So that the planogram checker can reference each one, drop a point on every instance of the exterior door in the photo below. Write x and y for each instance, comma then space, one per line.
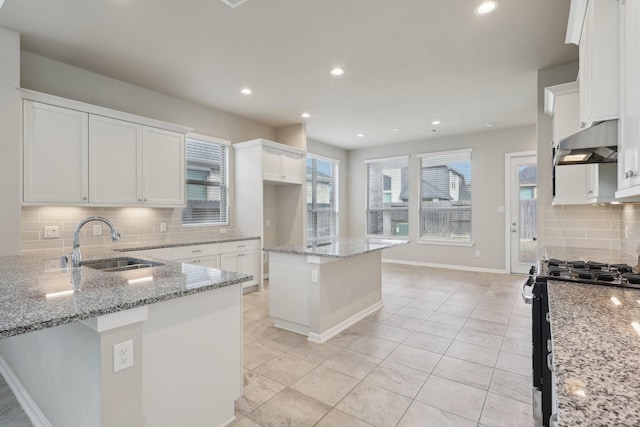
521, 217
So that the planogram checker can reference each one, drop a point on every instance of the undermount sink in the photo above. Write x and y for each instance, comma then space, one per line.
120, 264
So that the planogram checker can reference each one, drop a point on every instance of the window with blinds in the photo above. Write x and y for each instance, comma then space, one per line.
322, 196
388, 197
445, 196
207, 183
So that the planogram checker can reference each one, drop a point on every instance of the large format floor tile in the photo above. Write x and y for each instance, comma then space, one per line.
448, 349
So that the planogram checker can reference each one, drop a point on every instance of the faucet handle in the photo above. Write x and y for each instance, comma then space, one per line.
115, 235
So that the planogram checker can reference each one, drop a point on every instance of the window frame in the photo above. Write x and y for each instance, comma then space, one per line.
336, 198
210, 140
367, 162
444, 241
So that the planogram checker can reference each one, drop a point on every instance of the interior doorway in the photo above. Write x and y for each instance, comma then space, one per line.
521, 211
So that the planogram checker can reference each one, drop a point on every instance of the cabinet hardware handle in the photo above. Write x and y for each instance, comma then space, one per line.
145, 200
196, 251
84, 198
590, 192
140, 200
241, 246
550, 361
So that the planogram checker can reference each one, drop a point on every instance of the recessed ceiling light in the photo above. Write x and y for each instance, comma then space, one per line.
305, 115
435, 122
395, 130
490, 124
486, 7
337, 71
246, 91
360, 135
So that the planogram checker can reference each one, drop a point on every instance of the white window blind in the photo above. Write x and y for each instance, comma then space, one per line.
445, 196
388, 197
207, 183
322, 192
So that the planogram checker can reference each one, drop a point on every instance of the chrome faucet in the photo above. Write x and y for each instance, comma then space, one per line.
76, 256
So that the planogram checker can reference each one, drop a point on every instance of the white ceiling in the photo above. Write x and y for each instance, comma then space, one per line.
408, 62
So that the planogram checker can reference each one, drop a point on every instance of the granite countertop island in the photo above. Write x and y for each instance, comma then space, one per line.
339, 247
38, 293
595, 334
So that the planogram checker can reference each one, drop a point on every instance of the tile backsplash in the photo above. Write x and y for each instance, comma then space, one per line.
135, 225
584, 226
630, 228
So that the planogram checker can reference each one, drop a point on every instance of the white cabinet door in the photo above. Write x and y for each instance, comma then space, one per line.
271, 164
570, 185
163, 167
210, 261
242, 262
55, 154
629, 124
115, 147
291, 167
598, 57
250, 264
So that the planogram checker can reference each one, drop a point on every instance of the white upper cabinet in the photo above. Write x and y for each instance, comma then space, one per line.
115, 151
282, 165
629, 122
163, 167
598, 59
74, 156
55, 154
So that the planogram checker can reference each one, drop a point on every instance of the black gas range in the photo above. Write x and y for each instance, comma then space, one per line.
586, 272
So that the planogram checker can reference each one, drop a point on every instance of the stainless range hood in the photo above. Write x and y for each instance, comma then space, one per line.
596, 144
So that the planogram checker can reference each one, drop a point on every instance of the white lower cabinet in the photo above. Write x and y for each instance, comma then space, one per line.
243, 257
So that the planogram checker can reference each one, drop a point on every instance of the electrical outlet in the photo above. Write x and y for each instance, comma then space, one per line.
222, 231
122, 356
477, 254
268, 221
51, 232
97, 230
163, 227
314, 276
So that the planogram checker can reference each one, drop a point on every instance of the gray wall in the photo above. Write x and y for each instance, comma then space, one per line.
10, 142
56, 78
329, 151
488, 190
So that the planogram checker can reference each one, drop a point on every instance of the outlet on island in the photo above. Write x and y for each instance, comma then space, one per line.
122, 356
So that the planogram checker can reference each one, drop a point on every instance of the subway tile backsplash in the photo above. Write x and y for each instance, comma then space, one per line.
135, 225
630, 228
583, 226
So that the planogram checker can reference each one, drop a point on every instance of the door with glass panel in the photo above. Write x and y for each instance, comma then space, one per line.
522, 213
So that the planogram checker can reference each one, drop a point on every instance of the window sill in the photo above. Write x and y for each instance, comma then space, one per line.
444, 242
383, 237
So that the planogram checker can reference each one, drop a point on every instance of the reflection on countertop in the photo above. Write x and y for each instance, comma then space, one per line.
339, 247
38, 292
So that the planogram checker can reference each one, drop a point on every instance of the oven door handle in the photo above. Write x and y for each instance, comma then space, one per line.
526, 284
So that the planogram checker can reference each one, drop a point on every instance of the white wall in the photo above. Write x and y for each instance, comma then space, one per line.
331, 152
487, 182
10, 142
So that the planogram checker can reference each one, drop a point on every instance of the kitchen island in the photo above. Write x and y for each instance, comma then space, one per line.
595, 333
59, 326
321, 288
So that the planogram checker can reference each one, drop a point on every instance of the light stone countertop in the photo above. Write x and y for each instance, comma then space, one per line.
157, 244
596, 353
37, 293
339, 247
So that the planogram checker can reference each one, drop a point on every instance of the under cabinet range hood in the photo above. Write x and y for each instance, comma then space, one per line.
596, 144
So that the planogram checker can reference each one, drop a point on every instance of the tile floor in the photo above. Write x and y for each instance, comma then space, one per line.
448, 348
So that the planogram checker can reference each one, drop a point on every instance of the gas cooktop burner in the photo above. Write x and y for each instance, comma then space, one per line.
590, 272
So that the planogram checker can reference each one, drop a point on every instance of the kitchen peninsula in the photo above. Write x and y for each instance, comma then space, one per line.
59, 326
321, 288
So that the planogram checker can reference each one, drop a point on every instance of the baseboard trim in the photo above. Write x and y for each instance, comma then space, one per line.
335, 330
447, 266
24, 399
